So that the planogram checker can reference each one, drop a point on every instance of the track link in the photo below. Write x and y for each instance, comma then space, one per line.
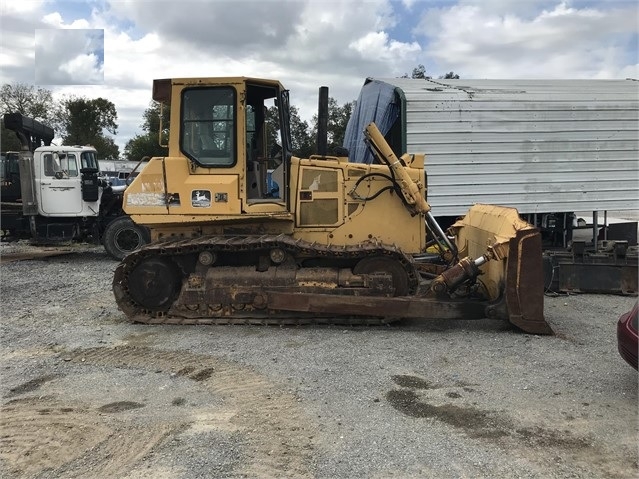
175, 250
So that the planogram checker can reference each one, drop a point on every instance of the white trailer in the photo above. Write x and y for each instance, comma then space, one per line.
545, 147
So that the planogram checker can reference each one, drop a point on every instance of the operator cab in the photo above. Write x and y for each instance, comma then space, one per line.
212, 137
231, 128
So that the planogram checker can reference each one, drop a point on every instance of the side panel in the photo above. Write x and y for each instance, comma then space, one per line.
538, 146
328, 211
211, 194
167, 192
147, 194
184, 193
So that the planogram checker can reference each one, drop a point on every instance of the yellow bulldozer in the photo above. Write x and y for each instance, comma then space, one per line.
244, 232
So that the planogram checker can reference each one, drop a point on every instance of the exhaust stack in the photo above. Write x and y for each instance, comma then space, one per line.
322, 121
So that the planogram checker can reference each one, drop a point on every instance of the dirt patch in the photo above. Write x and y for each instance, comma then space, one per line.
120, 406
49, 435
185, 371
31, 385
470, 419
413, 382
278, 435
203, 374
507, 433
69, 439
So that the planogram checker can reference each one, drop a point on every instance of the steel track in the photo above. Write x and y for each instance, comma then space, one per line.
298, 249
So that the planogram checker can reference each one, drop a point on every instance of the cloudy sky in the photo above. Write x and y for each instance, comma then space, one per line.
118, 47
65, 56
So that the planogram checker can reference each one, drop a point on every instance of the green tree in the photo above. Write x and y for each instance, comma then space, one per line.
304, 136
106, 147
36, 103
147, 144
418, 72
303, 143
33, 102
338, 117
85, 121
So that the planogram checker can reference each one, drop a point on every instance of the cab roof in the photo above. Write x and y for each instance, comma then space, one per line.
162, 87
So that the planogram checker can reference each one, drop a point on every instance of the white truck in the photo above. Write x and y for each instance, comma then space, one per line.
55, 194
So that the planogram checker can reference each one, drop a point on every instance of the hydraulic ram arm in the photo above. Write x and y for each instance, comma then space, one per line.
412, 191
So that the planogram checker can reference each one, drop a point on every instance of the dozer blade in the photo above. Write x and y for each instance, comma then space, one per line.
514, 277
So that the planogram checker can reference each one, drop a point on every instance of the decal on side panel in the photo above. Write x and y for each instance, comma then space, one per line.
201, 198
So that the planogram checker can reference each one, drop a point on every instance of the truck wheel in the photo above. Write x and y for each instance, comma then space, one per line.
122, 236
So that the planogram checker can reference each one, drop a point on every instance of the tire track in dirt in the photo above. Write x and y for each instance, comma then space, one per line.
50, 434
47, 434
278, 436
123, 450
44, 433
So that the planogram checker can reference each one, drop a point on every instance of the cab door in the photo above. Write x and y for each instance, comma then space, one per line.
60, 185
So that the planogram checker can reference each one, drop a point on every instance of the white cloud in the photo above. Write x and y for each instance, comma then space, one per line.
308, 43
378, 43
68, 56
558, 42
21, 8
82, 69
303, 44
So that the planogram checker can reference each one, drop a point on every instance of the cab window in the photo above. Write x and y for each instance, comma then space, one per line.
68, 165
208, 126
51, 164
89, 159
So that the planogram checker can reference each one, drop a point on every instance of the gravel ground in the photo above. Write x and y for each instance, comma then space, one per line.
87, 394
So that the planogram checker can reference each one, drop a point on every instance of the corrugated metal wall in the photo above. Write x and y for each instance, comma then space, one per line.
537, 145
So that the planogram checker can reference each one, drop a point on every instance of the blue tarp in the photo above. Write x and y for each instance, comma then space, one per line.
377, 103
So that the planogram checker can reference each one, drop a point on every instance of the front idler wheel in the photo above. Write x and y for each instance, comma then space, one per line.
383, 264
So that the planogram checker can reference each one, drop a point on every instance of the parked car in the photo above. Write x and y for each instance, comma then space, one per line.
627, 335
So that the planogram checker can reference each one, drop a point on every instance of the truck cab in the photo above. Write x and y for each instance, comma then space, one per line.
56, 194
66, 181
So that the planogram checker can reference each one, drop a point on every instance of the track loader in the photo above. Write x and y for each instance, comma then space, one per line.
245, 232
